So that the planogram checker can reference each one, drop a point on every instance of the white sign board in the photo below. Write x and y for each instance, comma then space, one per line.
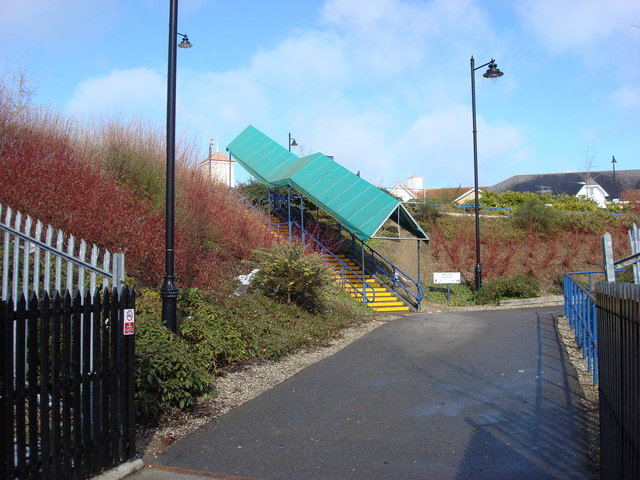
446, 277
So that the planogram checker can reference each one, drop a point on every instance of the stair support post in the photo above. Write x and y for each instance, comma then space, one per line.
364, 289
289, 210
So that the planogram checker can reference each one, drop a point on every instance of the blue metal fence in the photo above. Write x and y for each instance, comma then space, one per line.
444, 207
580, 310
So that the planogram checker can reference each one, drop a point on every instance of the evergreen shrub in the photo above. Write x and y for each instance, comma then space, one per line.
535, 216
520, 286
287, 273
169, 373
460, 294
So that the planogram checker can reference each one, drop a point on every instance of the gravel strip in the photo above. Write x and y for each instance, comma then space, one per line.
590, 399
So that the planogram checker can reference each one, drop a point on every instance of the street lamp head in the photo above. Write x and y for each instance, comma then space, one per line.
293, 142
613, 160
185, 43
492, 71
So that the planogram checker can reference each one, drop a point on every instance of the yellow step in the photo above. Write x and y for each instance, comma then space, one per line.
377, 303
391, 309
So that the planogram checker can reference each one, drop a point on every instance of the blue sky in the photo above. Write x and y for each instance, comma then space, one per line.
382, 85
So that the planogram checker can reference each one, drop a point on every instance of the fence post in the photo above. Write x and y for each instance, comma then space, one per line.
118, 272
634, 239
607, 251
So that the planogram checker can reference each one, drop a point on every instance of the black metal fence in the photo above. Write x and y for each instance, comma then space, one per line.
618, 309
67, 385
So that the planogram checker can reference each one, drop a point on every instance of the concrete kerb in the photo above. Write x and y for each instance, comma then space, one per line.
121, 471
553, 300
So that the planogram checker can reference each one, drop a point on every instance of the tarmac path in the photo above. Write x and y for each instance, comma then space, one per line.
464, 395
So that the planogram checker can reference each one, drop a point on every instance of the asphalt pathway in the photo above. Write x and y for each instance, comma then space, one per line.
473, 395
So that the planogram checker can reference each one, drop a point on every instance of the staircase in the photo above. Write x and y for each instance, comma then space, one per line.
384, 300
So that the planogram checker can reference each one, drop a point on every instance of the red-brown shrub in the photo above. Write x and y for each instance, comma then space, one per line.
43, 174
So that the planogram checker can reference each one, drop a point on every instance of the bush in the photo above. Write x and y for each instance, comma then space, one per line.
535, 216
461, 294
214, 337
425, 212
520, 286
510, 199
287, 273
169, 374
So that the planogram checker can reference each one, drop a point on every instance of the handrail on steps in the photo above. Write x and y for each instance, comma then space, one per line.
344, 268
387, 272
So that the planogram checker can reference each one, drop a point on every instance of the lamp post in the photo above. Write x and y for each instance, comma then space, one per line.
492, 72
169, 290
292, 142
613, 164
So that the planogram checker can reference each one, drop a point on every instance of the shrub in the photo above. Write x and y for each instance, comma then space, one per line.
106, 186
168, 372
510, 199
520, 286
535, 216
214, 337
425, 212
287, 273
460, 294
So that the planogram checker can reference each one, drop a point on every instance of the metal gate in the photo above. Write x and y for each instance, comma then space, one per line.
67, 384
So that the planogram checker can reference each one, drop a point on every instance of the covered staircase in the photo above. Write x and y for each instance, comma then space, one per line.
359, 208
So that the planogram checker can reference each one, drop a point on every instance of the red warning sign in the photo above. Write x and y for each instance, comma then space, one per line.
129, 321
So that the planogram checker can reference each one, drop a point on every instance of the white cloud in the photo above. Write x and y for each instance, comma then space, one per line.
134, 92
573, 25
54, 19
440, 145
627, 97
388, 37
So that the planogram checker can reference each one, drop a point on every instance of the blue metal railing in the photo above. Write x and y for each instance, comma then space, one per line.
313, 244
375, 264
465, 208
385, 271
580, 310
503, 210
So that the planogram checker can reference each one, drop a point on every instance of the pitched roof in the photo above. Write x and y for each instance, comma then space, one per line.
569, 183
358, 205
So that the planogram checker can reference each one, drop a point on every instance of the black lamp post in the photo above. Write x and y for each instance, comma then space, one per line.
492, 72
292, 142
615, 190
169, 290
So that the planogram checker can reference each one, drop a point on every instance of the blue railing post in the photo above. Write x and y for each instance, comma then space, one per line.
581, 311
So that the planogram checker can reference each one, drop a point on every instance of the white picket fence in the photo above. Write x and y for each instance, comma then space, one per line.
33, 260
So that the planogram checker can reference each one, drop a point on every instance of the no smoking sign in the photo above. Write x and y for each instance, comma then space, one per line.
129, 321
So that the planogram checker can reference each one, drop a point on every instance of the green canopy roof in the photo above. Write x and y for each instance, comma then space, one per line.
359, 206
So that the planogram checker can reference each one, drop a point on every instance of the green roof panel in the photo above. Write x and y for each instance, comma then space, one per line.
358, 205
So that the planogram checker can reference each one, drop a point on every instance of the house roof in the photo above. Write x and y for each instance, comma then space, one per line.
359, 206
402, 186
569, 183
217, 156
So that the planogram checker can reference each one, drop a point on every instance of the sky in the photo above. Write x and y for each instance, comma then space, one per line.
384, 86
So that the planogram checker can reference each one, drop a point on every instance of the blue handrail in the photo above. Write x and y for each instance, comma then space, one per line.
507, 210
386, 271
344, 268
580, 310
